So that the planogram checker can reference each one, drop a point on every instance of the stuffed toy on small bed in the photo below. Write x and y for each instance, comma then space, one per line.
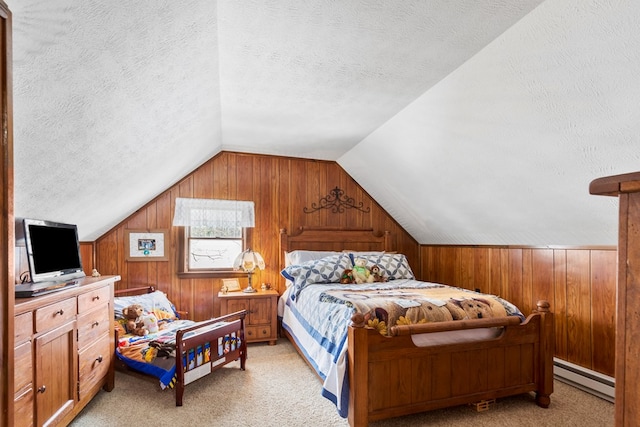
135, 322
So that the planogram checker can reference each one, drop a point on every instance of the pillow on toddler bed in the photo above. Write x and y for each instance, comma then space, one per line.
155, 303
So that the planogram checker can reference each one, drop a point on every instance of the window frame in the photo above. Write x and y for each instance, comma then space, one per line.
183, 262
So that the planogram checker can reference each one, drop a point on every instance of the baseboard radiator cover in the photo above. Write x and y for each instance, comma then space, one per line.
585, 379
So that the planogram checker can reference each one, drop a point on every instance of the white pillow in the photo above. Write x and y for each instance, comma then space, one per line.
298, 257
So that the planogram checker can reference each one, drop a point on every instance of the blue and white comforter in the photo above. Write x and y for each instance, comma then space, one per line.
320, 329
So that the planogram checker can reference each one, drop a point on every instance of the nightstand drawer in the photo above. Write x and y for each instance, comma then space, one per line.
257, 332
54, 315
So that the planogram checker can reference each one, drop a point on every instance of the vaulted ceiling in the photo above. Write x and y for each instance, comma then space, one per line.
469, 121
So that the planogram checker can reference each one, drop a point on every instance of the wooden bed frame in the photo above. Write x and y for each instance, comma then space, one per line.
391, 376
202, 334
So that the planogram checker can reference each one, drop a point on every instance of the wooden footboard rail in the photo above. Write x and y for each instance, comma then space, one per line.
207, 346
391, 376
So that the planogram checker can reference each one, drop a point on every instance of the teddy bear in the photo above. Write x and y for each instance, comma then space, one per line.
135, 322
361, 274
347, 277
377, 274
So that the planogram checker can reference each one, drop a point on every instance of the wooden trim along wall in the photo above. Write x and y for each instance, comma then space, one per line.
6, 226
580, 284
281, 188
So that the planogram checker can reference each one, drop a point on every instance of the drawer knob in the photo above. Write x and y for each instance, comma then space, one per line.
96, 297
99, 359
42, 389
60, 312
94, 324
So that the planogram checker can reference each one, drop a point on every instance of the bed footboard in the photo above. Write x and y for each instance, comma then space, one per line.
207, 346
392, 376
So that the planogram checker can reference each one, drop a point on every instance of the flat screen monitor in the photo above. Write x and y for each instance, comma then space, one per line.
53, 250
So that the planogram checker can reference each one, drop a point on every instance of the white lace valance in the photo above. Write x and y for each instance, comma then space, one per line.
214, 213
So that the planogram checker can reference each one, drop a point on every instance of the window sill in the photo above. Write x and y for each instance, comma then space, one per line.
221, 274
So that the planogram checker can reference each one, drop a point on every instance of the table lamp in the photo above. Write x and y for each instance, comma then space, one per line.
248, 261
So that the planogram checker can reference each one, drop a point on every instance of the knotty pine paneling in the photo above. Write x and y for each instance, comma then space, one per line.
281, 187
579, 283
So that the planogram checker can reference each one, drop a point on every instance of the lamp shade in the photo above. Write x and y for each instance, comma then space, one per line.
248, 261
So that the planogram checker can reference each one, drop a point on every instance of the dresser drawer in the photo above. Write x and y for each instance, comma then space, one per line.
23, 409
56, 314
92, 325
90, 300
23, 327
23, 368
93, 363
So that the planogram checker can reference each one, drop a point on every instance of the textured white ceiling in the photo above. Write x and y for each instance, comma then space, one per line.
469, 121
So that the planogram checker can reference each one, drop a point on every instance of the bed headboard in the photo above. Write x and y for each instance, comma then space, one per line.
333, 239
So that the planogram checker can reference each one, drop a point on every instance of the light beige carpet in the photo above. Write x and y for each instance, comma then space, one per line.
279, 389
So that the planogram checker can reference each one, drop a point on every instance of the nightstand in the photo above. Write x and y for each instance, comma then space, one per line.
261, 323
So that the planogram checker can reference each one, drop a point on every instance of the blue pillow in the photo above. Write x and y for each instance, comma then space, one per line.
325, 270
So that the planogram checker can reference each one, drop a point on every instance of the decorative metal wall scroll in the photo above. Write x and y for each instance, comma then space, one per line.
337, 202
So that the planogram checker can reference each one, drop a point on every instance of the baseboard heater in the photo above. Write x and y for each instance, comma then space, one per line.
585, 379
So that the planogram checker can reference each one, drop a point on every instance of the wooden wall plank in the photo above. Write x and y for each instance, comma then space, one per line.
603, 291
578, 308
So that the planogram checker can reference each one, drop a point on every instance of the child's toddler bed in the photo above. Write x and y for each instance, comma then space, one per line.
203, 346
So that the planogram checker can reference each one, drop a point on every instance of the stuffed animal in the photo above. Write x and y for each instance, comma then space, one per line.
361, 274
135, 323
377, 274
347, 277
150, 323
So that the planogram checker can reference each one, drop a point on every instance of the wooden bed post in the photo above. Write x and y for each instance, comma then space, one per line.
627, 188
547, 348
358, 354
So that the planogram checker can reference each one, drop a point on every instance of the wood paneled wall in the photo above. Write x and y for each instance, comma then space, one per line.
579, 283
281, 188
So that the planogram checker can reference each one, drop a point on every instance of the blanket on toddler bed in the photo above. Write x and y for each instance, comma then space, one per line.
155, 353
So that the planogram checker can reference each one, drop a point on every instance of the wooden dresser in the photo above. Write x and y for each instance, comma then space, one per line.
63, 350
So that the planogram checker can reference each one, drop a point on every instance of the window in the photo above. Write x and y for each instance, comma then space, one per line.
215, 232
213, 248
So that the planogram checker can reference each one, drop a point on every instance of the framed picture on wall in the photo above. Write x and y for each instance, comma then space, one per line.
146, 245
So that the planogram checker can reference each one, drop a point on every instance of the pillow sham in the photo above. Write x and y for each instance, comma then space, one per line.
325, 270
392, 265
155, 302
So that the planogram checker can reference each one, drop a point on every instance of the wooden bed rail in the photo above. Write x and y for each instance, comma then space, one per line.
454, 325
